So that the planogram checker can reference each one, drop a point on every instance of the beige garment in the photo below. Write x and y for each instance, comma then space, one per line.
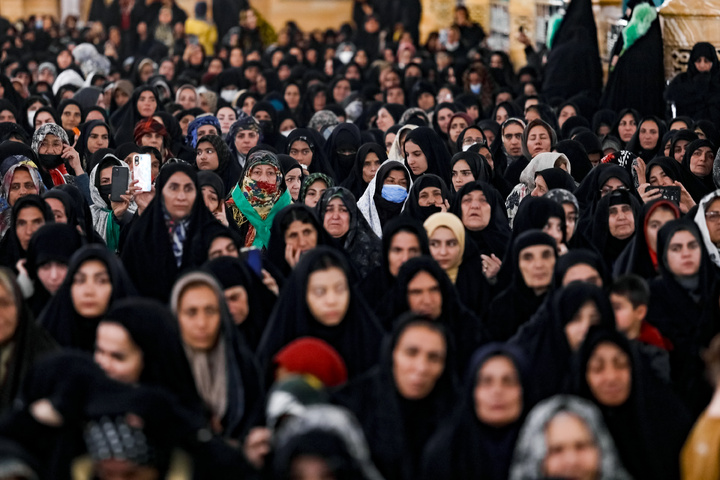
209, 372
700, 457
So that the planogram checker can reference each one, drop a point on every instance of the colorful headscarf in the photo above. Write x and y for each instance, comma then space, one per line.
150, 125
192, 136
309, 180
20, 162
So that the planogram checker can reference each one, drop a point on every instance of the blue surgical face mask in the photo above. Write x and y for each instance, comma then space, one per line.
475, 88
394, 193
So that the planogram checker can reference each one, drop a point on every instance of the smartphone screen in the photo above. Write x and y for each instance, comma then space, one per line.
142, 171
253, 259
119, 183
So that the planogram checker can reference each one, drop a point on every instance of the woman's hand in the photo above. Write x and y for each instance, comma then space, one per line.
648, 194
220, 215
257, 446
72, 157
640, 170
686, 201
292, 256
270, 282
491, 265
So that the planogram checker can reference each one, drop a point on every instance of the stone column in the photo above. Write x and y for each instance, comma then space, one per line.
685, 23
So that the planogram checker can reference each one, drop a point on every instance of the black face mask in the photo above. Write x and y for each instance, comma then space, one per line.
346, 158
50, 161
266, 127
105, 191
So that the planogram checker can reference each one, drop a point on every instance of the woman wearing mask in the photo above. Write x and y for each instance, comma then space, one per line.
385, 195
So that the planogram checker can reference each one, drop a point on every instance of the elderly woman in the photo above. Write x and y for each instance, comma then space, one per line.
55, 155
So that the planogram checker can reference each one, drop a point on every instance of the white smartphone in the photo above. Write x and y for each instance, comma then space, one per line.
142, 171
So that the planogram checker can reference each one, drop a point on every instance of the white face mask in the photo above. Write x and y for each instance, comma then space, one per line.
465, 148
287, 132
228, 95
346, 56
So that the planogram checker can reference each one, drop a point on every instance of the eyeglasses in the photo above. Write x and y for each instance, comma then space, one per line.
606, 190
712, 216
207, 151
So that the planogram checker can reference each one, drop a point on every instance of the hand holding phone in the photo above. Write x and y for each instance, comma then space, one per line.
119, 183
142, 171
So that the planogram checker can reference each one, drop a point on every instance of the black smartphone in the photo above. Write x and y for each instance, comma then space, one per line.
671, 193
119, 183
253, 259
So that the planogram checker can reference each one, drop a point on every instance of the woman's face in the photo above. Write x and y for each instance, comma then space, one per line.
292, 96
301, 236
473, 136
701, 161
146, 104
187, 98
457, 125
679, 150
418, 361
658, 177
553, 227
199, 317
337, 218
248, 105
476, 211
403, 247
117, 354
536, 264
659, 217
179, 195
501, 115
222, 247
461, 174
627, 127
8, 315
210, 198
207, 156
512, 139
443, 119
571, 449
70, 116
566, 112
264, 173
341, 91
121, 97
301, 152
91, 289
384, 120
371, 164
445, 248
319, 101
328, 296
98, 139
314, 192
621, 221
246, 140
236, 298
430, 196
42, 118
539, 140
226, 116
649, 134
683, 254
416, 159
578, 326
608, 375
498, 392
541, 187
52, 274
293, 181
570, 219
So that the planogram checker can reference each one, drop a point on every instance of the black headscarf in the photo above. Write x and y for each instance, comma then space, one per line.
355, 182
588, 193
494, 238
437, 156
578, 157
650, 427
377, 286
228, 169
412, 208
397, 429
233, 272
694, 93
125, 119
707, 180
687, 314
151, 327
360, 242
61, 319
677, 172
579, 256
556, 178
345, 135
10, 249
478, 166
609, 246
517, 303
81, 211
148, 251
636, 257
318, 164
357, 336
54, 242
634, 144
545, 341
466, 447
85, 131
277, 245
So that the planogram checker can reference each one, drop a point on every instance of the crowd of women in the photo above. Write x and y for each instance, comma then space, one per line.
360, 258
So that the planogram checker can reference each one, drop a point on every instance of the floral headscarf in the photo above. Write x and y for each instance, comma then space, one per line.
192, 136
44, 131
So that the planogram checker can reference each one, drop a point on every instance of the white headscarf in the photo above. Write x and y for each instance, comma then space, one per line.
366, 204
712, 249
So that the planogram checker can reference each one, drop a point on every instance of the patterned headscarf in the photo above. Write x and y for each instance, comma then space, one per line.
192, 136
5, 209
244, 122
262, 195
309, 180
150, 125
44, 131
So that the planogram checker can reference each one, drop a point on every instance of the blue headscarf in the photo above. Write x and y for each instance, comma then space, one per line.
192, 136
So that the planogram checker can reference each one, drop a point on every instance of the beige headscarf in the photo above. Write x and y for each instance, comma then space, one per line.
454, 224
